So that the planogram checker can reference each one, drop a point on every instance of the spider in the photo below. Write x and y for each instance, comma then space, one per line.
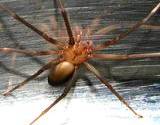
72, 54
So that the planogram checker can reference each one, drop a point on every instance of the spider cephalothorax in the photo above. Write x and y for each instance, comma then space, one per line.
72, 57
78, 53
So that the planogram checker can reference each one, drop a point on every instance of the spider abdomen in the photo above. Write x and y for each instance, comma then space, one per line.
61, 73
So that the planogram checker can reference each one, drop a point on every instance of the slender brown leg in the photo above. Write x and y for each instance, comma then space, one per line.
27, 52
67, 23
113, 27
104, 81
126, 57
65, 91
20, 19
103, 31
123, 35
107, 29
45, 67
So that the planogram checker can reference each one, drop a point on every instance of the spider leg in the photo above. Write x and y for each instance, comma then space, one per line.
113, 27
41, 70
104, 81
107, 29
65, 91
103, 31
125, 57
125, 34
67, 23
22, 20
27, 52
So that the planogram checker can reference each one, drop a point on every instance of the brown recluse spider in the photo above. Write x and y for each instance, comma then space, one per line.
72, 55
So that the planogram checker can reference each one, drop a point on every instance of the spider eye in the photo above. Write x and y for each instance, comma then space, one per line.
60, 73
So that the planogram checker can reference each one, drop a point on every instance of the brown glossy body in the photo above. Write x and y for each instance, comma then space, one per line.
60, 73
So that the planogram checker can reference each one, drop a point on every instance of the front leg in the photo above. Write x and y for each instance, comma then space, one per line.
67, 22
39, 32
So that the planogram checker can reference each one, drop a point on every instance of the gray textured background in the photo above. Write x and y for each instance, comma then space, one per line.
136, 80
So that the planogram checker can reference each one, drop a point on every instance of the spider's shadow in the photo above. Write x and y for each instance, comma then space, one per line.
15, 44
